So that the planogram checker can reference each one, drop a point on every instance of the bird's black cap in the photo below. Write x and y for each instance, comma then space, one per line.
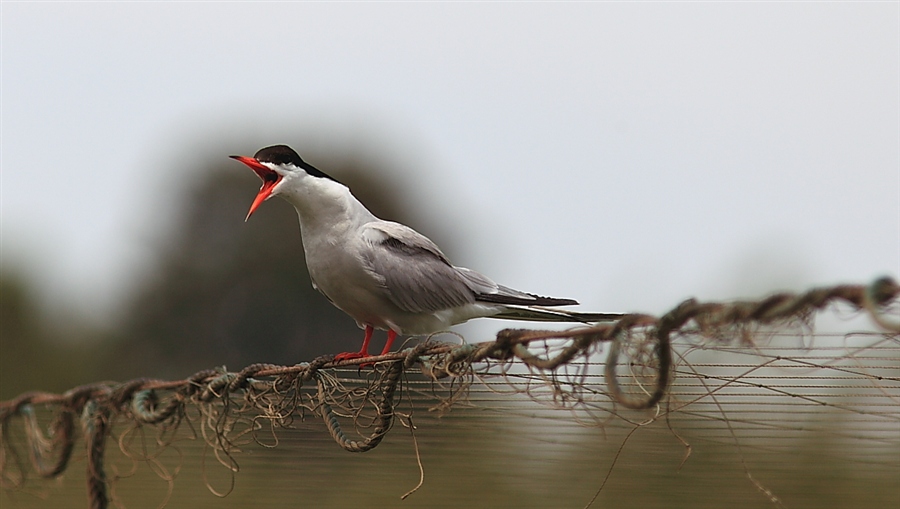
283, 154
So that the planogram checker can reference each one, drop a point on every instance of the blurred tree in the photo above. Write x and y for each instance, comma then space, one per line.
231, 293
30, 359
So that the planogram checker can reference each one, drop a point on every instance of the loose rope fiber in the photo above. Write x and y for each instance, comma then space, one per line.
645, 368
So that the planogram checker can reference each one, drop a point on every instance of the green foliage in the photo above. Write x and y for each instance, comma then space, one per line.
30, 359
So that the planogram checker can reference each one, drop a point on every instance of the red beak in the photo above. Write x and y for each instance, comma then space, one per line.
267, 175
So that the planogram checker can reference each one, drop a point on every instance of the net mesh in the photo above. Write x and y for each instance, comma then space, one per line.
757, 378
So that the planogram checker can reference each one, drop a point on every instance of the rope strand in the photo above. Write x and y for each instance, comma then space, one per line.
639, 344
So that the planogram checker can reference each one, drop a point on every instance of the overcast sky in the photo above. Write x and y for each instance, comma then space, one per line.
627, 155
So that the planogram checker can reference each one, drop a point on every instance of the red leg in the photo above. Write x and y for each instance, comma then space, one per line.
363, 352
390, 340
365, 348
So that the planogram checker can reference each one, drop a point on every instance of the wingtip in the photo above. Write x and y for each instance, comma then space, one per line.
553, 301
531, 300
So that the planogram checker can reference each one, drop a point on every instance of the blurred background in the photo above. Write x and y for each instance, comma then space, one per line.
626, 155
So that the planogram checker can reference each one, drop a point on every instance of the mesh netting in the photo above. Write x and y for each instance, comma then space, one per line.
781, 376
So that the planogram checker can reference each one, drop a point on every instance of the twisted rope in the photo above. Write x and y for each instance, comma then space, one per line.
95, 422
387, 387
142, 401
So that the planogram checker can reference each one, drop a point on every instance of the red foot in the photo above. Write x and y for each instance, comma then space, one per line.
346, 356
364, 351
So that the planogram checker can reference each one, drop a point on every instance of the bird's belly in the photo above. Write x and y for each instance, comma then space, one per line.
351, 288
416, 324
420, 324
360, 304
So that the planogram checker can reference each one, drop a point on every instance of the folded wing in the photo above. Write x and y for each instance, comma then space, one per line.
419, 278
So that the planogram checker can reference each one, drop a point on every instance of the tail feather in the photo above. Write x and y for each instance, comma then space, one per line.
527, 299
536, 314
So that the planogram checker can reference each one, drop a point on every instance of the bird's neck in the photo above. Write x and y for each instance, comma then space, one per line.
326, 206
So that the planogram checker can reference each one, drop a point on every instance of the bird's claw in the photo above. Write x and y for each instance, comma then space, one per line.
346, 356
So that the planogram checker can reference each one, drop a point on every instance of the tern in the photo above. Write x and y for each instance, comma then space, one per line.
383, 274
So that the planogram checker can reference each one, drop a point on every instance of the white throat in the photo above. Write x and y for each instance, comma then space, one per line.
325, 207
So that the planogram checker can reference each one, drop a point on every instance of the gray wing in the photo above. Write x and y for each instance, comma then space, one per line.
419, 278
489, 291
412, 269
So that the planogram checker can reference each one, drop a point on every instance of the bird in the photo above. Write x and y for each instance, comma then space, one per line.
384, 274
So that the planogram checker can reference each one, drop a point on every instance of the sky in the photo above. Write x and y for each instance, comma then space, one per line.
628, 155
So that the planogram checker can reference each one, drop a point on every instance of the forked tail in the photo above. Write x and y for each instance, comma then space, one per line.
539, 314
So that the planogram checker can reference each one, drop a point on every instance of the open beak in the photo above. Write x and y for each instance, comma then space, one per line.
267, 175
